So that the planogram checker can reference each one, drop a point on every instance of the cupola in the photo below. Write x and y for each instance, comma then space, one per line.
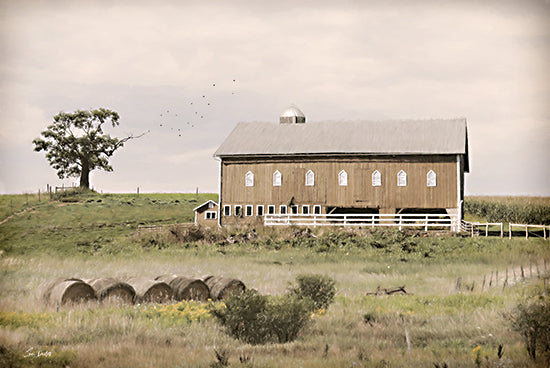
292, 115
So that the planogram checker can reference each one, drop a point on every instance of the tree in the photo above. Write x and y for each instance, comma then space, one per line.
75, 143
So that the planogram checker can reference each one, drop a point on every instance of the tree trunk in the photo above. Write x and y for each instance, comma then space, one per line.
85, 175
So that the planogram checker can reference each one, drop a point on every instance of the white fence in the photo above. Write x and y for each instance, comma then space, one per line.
474, 228
527, 227
418, 221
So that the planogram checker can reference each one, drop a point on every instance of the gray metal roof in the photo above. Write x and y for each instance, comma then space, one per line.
436, 136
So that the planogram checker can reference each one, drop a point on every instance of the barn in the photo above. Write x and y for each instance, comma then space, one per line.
370, 169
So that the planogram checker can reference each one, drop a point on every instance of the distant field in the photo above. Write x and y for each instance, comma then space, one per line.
523, 210
457, 304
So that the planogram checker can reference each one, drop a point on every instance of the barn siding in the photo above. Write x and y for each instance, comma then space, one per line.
326, 192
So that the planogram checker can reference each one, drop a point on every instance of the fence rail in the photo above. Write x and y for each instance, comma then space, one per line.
527, 227
419, 221
474, 228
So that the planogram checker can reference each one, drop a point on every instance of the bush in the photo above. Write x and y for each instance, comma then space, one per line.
244, 317
532, 321
319, 289
287, 316
259, 319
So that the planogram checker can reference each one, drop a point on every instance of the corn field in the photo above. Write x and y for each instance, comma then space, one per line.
521, 210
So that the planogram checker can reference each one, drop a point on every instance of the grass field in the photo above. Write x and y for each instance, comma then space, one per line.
438, 322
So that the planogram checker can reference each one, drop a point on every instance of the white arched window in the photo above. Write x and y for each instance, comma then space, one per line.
401, 179
310, 178
277, 178
431, 179
343, 178
376, 178
249, 179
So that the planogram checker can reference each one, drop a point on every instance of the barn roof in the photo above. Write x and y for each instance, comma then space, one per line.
396, 137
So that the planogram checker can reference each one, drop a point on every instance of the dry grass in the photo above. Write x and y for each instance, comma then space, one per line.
443, 324
435, 324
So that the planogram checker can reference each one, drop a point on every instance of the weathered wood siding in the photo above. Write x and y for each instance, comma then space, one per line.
201, 219
359, 193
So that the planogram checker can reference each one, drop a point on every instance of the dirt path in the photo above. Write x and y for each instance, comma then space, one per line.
17, 214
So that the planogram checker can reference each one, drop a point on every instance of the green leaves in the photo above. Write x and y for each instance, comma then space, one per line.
75, 143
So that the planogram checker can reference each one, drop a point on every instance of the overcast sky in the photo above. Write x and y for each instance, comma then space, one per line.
487, 61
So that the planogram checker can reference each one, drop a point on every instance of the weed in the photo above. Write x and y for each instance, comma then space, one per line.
222, 359
532, 320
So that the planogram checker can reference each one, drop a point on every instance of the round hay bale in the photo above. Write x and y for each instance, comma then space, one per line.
186, 288
111, 290
61, 291
150, 291
223, 287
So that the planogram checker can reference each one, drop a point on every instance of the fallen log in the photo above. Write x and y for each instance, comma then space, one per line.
392, 291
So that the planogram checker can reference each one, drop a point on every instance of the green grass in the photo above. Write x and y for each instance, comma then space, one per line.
92, 221
96, 236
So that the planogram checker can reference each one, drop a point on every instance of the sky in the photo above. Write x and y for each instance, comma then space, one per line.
487, 61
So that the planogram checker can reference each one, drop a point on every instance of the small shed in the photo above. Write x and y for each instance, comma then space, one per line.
207, 214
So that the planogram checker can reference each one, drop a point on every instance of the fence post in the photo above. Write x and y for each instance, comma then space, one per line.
509, 230
486, 230
526, 232
400, 220
426, 224
501, 230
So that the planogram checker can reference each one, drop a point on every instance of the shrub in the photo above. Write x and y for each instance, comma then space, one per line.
319, 289
532, 320
244, 317
287, 316
259, 319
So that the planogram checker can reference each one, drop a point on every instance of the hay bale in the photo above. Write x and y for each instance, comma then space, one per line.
62, 291
111, 290
223, 287
186, 288
150, 291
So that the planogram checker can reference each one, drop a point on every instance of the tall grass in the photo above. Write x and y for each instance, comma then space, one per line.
435, 323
